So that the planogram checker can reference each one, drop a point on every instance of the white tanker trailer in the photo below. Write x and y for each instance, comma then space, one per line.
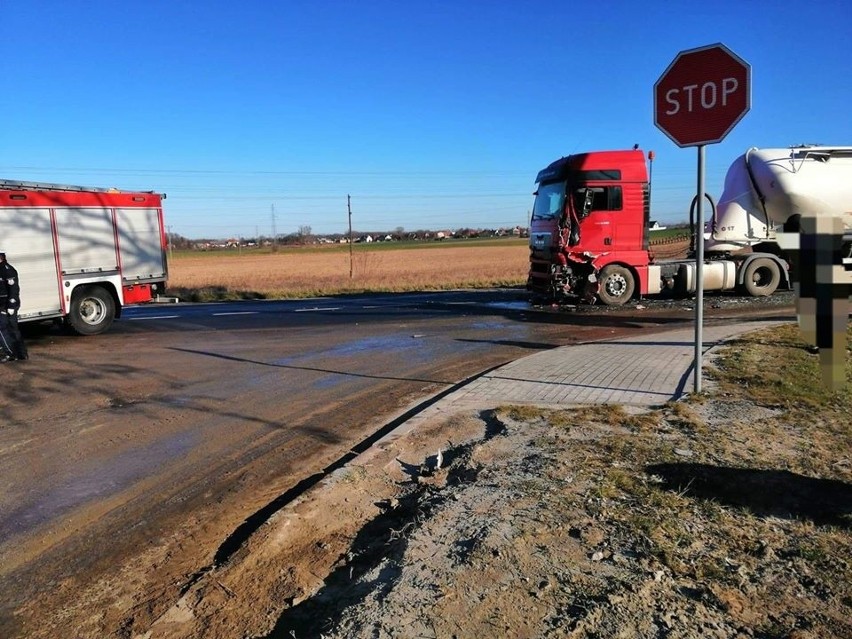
769, 190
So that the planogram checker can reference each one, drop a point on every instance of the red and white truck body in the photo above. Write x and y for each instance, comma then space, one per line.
82, 253
589, 232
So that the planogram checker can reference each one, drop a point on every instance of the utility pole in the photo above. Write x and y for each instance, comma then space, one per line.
274, 233
349, 208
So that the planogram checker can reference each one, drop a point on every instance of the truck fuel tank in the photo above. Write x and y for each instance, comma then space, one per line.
718, 275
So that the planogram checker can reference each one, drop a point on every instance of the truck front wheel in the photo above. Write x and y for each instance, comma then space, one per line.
92, 311
761, 277
616, 285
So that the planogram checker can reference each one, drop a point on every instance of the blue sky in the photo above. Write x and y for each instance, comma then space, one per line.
431, 115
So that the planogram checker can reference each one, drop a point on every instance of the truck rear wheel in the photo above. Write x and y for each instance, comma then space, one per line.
92, 310
761, 277
616, 285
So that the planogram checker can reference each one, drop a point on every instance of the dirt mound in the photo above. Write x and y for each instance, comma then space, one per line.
551, 527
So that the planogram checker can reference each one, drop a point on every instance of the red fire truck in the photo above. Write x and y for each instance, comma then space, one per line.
589, 238
82, 253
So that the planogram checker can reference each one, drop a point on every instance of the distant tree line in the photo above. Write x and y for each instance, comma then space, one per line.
304, 236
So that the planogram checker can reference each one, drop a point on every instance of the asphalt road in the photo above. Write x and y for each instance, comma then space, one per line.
133, 461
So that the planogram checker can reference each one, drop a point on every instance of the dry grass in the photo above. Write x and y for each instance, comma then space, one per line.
309, 272
735, 509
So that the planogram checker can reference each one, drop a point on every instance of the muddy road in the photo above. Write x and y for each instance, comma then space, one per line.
132, 462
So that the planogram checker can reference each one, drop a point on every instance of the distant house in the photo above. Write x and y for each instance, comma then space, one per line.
655, 226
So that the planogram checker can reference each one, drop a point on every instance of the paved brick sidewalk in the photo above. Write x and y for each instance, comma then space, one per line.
640, 371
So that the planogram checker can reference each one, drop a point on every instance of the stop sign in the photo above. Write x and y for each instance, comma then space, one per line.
702, 95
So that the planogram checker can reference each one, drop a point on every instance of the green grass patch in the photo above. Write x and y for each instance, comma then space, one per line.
668, 234
776, 368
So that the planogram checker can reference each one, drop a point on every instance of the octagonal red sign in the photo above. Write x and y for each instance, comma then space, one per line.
702, 95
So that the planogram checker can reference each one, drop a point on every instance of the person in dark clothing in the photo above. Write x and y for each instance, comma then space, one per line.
11, 342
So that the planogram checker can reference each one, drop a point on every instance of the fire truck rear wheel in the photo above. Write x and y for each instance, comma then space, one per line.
761, 277
616, 285
92, 310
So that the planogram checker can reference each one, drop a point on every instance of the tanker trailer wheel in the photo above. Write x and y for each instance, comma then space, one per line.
616, 285
761, 277
92, 310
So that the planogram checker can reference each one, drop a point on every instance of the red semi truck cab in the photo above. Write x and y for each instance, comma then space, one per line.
589, 238
589, 227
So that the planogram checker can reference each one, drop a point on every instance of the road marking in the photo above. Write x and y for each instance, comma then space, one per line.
312, 310
152, 317
237, 313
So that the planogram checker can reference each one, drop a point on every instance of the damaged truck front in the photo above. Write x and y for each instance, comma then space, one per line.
589, 229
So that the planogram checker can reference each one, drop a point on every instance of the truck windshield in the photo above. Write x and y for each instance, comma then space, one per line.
549, 201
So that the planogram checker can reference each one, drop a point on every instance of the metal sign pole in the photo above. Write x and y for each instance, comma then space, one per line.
696, 122
699, 273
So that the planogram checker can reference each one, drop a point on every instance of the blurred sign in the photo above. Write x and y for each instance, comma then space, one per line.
823, 285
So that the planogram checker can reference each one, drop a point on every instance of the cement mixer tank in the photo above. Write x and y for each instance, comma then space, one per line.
767, 190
